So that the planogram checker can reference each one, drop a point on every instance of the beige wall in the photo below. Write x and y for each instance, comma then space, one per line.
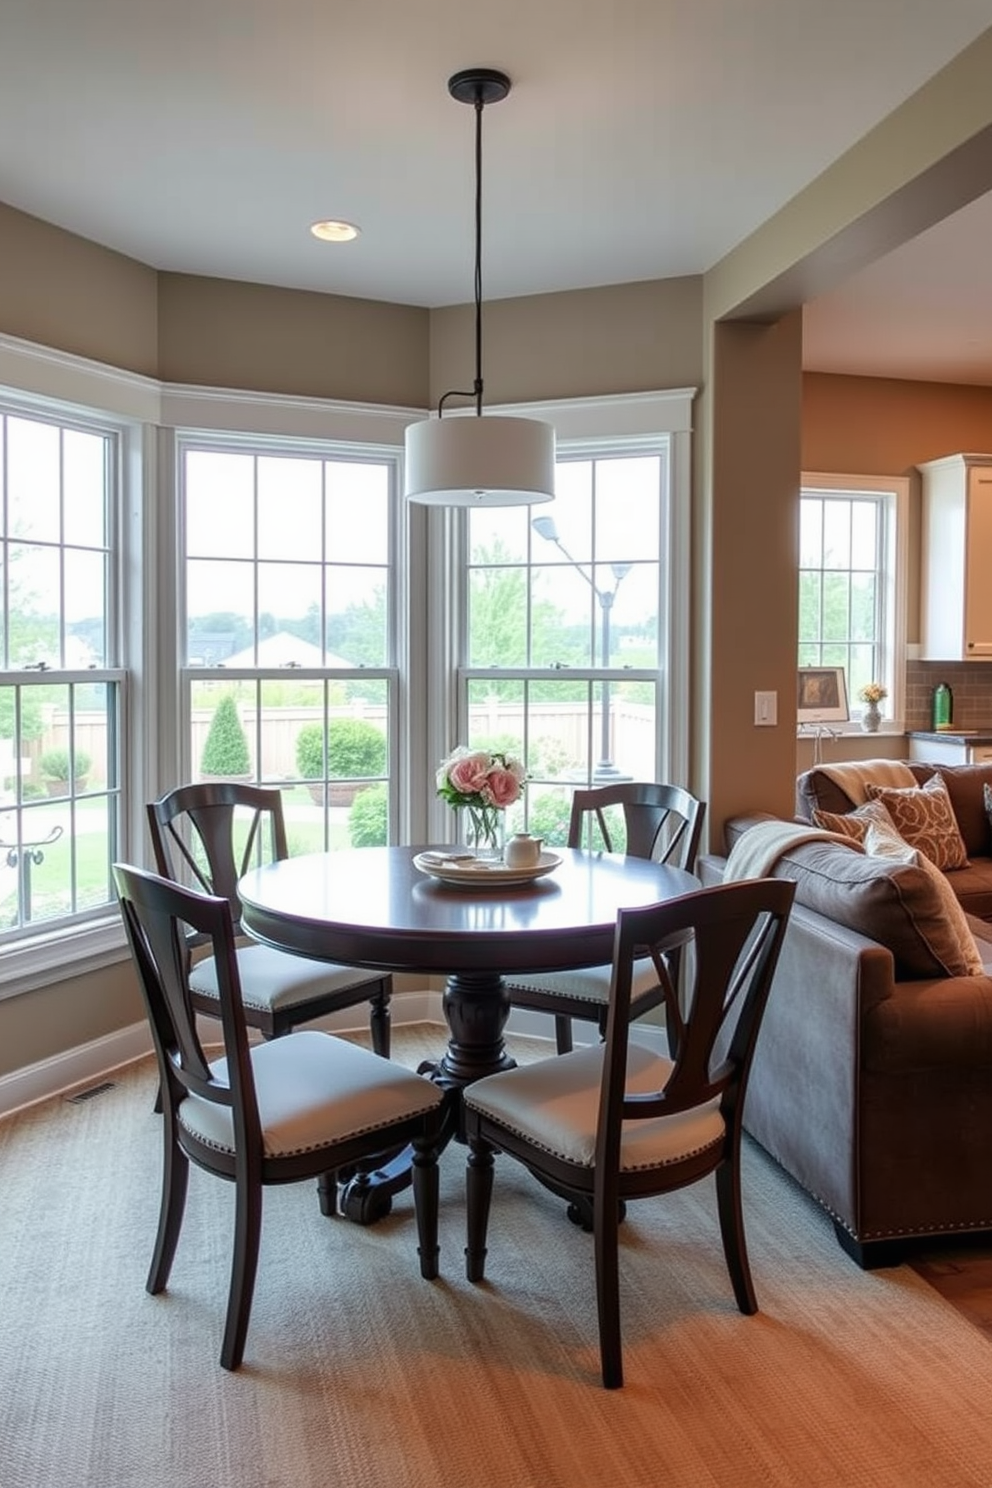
624, 338
217, 333
59, 290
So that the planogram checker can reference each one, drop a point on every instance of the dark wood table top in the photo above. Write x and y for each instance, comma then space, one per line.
371, 907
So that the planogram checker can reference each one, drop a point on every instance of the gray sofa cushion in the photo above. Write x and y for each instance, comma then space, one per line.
892, 903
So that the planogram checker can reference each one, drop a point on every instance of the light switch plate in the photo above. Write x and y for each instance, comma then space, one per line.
765, 709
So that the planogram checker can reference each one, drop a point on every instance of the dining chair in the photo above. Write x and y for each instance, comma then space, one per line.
656, 820
620, 1120
273, 1112
211, 833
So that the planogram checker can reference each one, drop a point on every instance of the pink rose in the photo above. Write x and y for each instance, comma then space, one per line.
502, 787
468, 774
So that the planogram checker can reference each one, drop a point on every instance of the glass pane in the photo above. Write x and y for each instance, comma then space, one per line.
33, 597
810, 533
85, 609
220, 504
225, 728
810, 596
863, 608
33, 469
357, 616
94, 826
94, 734
562, 618
498, 617
361, 489
84, 479
220, 607
289, 508
837, 534
836, 606
634, 622
572, 519
289, 615
864, 534
498, 530
628, 509
44, 862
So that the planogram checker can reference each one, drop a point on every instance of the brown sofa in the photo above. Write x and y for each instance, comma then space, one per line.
815, 790
872, 1077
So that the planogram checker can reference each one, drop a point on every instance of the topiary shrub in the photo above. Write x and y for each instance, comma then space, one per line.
356, 750
225, 751
368, 819
55, 766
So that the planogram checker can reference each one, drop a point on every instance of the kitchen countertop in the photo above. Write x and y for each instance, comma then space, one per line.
954, 735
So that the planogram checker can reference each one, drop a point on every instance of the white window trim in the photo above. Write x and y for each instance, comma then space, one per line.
625, 422
896, 575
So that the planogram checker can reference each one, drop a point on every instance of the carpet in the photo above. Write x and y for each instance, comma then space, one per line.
358, 1372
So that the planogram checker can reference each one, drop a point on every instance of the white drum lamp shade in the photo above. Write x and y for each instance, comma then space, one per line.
480, 461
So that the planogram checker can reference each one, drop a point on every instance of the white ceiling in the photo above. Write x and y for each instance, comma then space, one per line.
642, 139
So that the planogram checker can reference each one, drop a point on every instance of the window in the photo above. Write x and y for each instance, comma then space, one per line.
60, 696
562, 638
290, 676
851, 577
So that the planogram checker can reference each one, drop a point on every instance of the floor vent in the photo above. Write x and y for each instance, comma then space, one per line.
91, 1093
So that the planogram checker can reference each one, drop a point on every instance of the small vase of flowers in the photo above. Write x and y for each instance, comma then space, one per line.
871, 695
484, 782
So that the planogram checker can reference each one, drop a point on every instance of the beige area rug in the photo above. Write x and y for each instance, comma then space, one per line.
359, 1373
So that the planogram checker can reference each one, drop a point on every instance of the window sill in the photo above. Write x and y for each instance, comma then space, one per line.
56, 955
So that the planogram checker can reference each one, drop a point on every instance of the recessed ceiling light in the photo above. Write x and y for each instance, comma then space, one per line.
334, 232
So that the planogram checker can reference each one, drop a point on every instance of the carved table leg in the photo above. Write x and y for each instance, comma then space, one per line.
476, 1007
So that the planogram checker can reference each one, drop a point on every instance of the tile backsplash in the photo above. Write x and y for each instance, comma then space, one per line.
970, 682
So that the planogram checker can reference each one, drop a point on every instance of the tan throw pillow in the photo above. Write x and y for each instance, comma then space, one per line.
884, 842
853, 823
924, 816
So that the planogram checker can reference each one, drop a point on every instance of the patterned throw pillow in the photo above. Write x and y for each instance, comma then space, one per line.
885, 842
854, 823
924, 816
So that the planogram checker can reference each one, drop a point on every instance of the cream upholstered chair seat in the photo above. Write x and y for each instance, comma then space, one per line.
311, 1090
275, 982
554, 1103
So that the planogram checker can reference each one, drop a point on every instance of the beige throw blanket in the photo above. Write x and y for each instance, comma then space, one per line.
758, 849
853, 777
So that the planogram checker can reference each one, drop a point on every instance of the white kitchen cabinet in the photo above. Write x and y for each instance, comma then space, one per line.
956, 579
949, 752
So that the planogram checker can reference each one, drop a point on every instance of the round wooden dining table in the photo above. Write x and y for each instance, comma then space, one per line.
372, 907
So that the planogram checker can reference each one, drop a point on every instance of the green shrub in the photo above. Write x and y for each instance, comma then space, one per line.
356, 750
368, 819
225, 751
56, 765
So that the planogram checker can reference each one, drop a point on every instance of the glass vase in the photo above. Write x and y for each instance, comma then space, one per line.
486, 832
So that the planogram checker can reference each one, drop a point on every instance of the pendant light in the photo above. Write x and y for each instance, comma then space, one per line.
480, 461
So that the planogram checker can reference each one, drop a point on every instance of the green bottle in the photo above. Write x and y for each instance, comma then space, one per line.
943, 707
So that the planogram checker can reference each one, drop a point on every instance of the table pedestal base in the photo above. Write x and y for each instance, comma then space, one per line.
476, 1007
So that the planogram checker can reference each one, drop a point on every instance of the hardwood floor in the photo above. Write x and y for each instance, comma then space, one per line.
961, 1271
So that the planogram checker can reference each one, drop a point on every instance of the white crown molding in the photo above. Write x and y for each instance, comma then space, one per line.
46, 372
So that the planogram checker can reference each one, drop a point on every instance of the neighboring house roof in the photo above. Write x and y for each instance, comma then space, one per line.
285, 650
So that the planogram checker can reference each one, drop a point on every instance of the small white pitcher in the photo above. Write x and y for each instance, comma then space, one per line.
522, 851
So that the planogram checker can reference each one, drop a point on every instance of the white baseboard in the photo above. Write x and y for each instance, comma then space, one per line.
85, 1065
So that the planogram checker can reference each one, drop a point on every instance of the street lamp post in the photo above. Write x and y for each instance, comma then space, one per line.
545, 527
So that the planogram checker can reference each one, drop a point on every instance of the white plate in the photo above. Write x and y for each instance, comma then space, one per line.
475, 873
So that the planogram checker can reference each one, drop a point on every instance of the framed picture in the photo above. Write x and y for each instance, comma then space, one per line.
822, 695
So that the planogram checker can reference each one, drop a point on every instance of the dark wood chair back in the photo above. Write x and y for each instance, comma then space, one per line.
661, 821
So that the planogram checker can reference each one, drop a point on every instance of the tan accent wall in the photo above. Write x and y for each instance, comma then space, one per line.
219, 333
50, 1020
884, 426
581, 343
60, 290
746, 560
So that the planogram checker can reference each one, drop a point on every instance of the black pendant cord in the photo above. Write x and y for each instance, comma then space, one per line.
476, 392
